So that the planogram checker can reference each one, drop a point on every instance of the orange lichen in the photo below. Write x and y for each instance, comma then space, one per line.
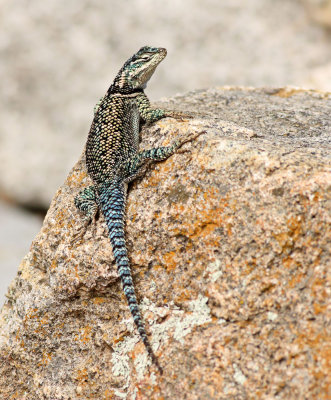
169, 260
182, 293
118, 339
53, 264
46, 358
289, 237
205, 217
59, 330
318, 342
296, 279
82, 376
319, 308
84, 334
76, 178
98, 300
108, 395
32, 313
249, 267
287, 92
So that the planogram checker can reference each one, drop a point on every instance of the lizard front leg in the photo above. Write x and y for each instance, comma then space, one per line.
150, 114
135, 165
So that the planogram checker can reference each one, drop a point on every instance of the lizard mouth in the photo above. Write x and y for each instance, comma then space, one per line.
163, 51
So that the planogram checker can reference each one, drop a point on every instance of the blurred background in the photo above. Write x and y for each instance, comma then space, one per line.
57, 58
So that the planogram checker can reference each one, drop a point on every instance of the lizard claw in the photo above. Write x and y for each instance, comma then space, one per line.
80, 232
189, 138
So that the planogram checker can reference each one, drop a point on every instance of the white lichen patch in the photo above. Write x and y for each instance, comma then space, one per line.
238, 376
272, 316
141, 362
121, 395
200, 315
215, 270
120, 356
178, 325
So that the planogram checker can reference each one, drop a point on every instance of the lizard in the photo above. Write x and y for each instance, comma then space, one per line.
113, 160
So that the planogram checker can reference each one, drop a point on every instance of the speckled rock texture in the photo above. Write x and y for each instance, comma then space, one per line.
229, 241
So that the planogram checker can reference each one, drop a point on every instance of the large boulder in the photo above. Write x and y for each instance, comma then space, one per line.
229, 241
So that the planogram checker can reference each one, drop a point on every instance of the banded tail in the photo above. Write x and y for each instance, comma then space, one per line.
112, 202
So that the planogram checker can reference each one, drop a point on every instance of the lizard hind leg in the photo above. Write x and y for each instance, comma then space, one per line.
86, 202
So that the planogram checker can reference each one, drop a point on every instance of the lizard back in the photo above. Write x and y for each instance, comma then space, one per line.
113, 137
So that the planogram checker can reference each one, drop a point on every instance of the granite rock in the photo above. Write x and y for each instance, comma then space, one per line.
229, 241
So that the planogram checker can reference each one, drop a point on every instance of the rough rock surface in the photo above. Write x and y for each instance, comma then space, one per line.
229, 242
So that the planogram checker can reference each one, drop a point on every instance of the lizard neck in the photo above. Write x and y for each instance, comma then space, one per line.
130, 95
115, 90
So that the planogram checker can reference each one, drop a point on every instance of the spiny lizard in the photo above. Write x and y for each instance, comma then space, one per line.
113, 159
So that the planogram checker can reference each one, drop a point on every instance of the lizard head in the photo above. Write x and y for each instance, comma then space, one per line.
138, 69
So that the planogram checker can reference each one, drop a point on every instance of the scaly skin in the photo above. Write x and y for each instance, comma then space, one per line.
113, 159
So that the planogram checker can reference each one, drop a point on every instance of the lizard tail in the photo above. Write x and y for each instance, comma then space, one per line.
112, 202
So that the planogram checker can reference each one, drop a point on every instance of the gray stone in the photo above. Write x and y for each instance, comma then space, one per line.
229, 241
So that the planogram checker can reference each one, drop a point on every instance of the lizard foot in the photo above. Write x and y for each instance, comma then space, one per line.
190, 138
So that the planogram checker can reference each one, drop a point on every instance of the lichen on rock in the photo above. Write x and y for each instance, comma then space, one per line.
229, 241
